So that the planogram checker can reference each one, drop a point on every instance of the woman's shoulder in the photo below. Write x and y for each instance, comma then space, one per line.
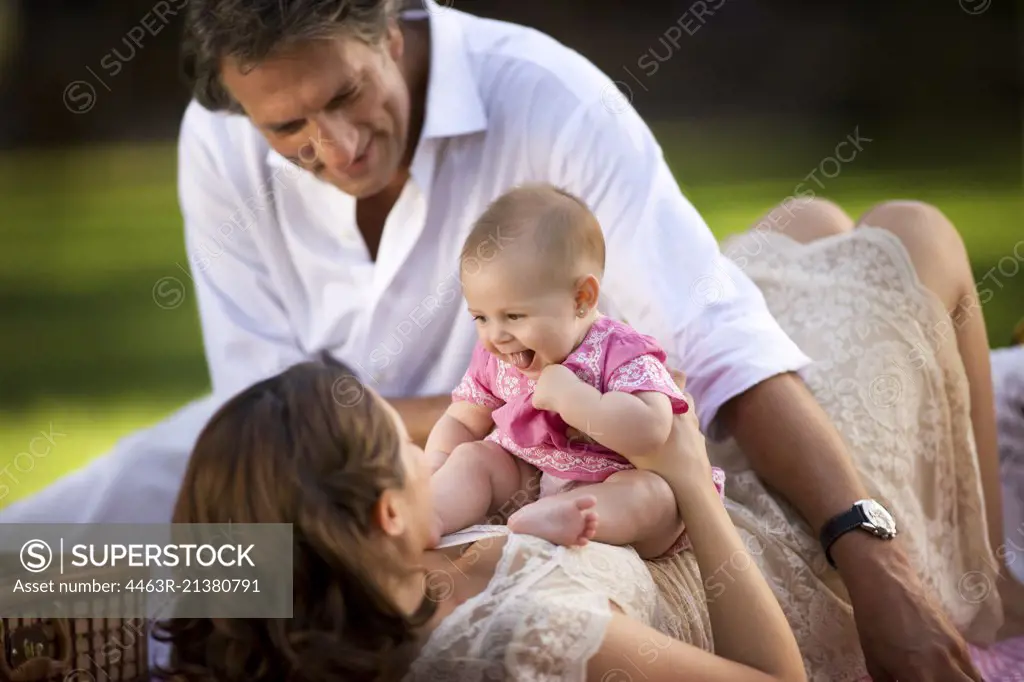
545, 606
617, 573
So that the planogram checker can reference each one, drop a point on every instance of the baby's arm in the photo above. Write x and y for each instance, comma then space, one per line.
629, 423
626, 423
462, 422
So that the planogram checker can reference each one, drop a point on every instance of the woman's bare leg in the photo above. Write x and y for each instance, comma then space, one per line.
806, 219
942, 265
940, 259
941, 262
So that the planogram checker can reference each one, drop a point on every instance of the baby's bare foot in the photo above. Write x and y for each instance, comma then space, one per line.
568, 522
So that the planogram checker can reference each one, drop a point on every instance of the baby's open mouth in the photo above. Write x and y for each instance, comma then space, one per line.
521, 360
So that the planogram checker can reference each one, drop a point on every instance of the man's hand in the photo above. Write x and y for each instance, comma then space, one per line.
550, 388
795, 449
903, 632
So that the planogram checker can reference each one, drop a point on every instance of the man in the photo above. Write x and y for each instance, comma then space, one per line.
330, 168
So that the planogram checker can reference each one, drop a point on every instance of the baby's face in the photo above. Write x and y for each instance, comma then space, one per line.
522, 317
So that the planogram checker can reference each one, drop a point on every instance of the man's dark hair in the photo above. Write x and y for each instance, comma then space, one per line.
252, 30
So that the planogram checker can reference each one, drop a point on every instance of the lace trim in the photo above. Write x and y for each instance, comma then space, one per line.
470, 390
543, 652
447, 631
878, 236
590, 466
587, 357
645, 372
541, 618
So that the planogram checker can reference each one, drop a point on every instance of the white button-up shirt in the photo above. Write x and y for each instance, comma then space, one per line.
281, 270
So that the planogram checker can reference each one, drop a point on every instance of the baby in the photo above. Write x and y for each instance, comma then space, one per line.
547, 368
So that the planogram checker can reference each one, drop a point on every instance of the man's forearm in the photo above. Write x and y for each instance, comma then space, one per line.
793, 446
420, 414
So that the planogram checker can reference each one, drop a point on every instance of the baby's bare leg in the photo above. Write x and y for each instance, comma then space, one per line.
476, 480
635, 507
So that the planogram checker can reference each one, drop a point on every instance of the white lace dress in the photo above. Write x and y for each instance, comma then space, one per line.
544, 613
888, 373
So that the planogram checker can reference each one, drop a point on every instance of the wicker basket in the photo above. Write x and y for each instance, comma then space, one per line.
73, 649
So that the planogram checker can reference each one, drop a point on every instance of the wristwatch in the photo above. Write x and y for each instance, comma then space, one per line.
866, 515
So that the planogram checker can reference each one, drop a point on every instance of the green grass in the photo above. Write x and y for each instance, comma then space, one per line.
88, 233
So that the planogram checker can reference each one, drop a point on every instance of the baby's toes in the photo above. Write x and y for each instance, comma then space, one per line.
589, 525
585, 502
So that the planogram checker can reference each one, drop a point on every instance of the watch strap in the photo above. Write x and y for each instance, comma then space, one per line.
838, 526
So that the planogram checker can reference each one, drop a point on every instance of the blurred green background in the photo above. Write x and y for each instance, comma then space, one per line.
745, 108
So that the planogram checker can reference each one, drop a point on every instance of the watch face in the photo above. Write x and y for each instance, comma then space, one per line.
878, 516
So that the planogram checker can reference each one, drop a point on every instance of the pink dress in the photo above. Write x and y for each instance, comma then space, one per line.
612, 357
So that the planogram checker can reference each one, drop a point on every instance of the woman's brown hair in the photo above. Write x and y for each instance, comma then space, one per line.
312, 448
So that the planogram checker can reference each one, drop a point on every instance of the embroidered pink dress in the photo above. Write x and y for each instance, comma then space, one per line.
612, 357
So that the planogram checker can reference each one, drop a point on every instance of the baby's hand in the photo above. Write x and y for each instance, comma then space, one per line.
551, 385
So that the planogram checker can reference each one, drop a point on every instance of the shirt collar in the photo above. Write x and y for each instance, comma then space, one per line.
453, 106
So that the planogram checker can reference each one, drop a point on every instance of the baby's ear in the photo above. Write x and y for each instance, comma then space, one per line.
588, 291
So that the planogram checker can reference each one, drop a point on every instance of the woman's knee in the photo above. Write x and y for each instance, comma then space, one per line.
912, 220
935, 246
806, 219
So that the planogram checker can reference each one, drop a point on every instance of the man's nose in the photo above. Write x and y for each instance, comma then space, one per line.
336, 144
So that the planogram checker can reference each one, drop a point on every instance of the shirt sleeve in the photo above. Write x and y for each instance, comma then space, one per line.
635, 363
664, 271
476, 386
646, 373
247, 333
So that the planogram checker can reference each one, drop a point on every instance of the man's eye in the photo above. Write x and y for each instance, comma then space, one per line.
290, 128
343, 98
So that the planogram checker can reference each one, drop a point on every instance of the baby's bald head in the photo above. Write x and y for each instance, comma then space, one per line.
544, 225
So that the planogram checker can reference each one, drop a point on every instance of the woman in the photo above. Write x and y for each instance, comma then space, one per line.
373, 602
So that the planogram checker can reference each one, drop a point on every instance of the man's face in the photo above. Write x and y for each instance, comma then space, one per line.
337, 107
